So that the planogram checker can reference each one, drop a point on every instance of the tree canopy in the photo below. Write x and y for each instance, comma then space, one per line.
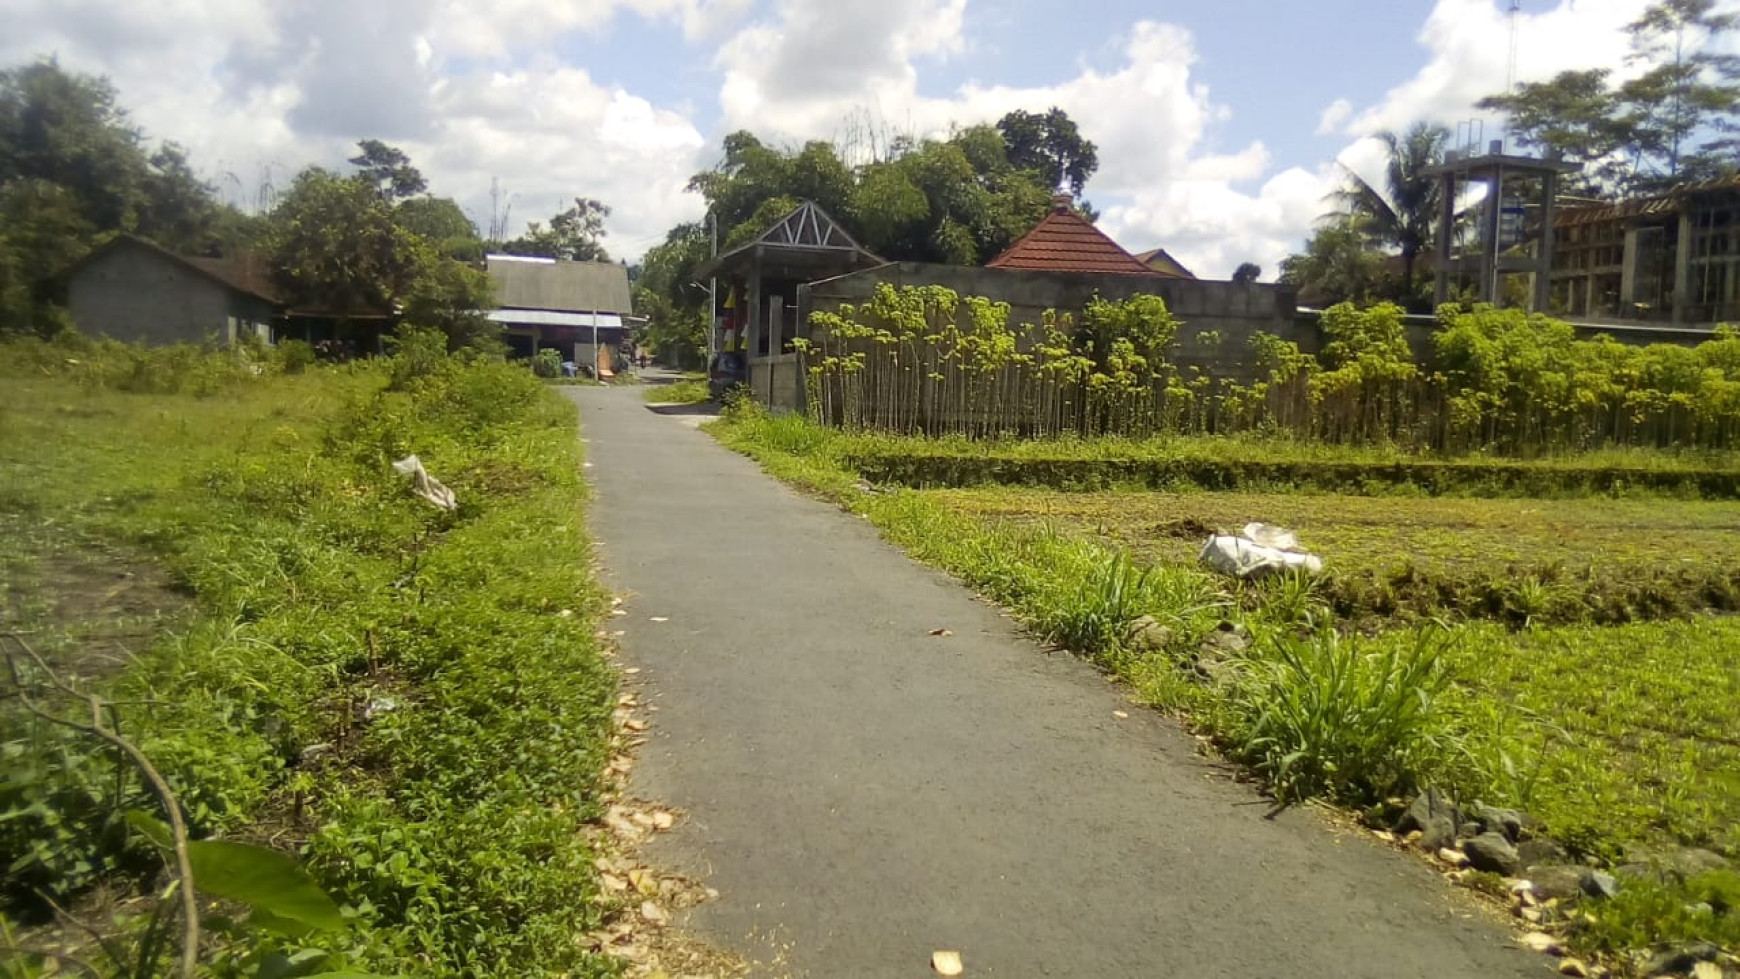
1672, 120
75, 170
574, 235
960, 200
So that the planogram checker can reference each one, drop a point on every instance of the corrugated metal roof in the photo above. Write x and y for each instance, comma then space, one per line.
583, 287
550, 317
1643, 207
1064, 241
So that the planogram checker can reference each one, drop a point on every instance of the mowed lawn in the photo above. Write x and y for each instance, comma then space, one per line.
1626, 736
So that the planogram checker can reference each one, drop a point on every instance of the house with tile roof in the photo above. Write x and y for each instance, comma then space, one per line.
1064, 241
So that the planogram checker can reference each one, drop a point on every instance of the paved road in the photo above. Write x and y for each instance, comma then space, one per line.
863, 793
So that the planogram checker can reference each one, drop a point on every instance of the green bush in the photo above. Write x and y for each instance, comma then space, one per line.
294, 356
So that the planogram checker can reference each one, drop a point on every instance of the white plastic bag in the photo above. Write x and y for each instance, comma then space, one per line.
425, 485
1242, 557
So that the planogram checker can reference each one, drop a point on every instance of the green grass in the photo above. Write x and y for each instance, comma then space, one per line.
1618, 739
451, 821
1540, 561
685, 392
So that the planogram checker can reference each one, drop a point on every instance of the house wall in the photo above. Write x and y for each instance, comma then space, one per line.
1232, 312
137, 295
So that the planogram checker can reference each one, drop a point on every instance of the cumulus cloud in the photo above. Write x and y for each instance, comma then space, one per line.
1160, 181
1469, 49
1334, 114
259, 89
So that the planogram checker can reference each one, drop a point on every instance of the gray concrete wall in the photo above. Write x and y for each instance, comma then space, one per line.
778, 382
139, 296
1219, 318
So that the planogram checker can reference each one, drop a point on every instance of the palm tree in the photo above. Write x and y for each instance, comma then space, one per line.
1404, 214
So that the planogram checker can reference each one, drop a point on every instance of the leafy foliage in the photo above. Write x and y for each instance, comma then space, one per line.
448, 820
1638, 134
73, 169
1404, 213
574, 235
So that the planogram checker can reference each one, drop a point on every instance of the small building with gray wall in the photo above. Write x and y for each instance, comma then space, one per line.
135, 291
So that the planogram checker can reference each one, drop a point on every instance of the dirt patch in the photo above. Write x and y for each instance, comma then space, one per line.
90, 611
1189, 528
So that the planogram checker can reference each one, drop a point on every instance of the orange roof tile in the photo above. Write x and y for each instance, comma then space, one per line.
1064, 241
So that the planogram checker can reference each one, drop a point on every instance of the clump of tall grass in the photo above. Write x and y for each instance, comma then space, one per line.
1333, 716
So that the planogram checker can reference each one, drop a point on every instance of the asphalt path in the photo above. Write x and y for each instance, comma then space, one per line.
863, 793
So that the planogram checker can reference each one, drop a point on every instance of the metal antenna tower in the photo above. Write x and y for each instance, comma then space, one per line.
1510, 66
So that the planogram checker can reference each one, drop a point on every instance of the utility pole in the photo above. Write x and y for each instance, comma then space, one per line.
712, 291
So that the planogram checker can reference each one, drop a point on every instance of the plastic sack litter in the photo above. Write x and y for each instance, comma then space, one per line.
425, 485
1259, 550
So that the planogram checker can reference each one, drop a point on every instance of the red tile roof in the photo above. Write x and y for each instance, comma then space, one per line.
1064, 241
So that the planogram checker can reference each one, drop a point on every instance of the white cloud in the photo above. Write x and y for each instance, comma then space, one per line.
1160, 180
1333, 116
258, 89
1469, 45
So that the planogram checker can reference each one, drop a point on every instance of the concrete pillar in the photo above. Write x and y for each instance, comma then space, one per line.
1544, 256
775, 314
1683, 266
1493, 221
1446, 240
1629, 259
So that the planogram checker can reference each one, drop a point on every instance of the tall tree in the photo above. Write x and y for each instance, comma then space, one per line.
1403, 214
1576, 114
574, 235
388, 170
1051, 146
443, 222
1690, 88
1676, 118
1247, 273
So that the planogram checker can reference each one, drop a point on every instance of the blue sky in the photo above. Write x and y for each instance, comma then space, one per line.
1221, 125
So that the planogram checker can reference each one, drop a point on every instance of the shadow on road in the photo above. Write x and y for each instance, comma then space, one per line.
705, 408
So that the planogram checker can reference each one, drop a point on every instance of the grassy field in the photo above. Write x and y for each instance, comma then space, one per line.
410, 700
1543, 561
1622, 740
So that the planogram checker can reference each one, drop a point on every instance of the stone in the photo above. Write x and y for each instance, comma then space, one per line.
1673, 865
1600, 885
1540, 853
1680, 958
1552, 883
1147, 635
1455, 858
1495, 820
1439, 833
1691, 861
1227, 640
1468, 830
1492, 853
1428, 807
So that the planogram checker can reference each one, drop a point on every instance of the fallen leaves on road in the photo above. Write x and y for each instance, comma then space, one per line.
946, 963
659, 618
1120, 714
1540, 941
941, 632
